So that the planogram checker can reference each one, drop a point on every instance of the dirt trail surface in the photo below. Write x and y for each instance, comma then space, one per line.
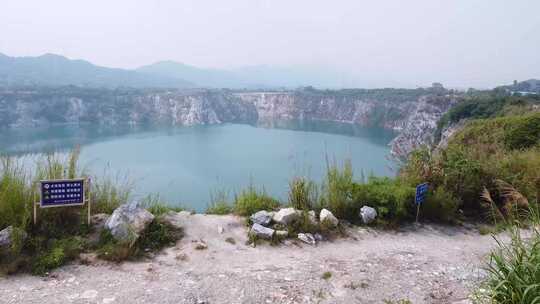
431, 264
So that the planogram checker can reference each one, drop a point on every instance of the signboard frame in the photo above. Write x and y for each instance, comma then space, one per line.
86, 181
77, 180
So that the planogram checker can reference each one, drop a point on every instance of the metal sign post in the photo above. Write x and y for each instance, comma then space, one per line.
62, 193
420, 196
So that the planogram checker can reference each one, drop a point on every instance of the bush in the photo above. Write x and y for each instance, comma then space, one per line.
303, 194
251, 200
440, 205
392, 199
57, 254
503, 148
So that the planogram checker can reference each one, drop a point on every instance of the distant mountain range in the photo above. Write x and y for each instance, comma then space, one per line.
56, 70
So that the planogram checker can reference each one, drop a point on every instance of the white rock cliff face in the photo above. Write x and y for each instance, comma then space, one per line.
413, 117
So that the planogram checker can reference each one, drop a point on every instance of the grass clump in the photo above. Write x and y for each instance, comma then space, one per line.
57, 253
109, 193
219, 203
157, 206
326, 275
15, 195
156, 236
337, 190
513, 269
252, 200
303, 194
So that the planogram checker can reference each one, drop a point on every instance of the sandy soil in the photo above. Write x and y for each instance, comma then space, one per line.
430, 264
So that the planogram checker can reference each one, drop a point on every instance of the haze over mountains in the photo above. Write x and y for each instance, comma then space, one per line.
56, 70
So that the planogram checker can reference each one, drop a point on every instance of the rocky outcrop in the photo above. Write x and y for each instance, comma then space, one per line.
413, 113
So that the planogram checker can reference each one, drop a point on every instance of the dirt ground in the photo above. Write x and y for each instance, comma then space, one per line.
428, 264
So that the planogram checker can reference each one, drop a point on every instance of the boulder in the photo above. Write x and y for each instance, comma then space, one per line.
262, 232
262, 217
307, 238
367, 214
11, 240
128, 221
318, 237
285, 216
328, 218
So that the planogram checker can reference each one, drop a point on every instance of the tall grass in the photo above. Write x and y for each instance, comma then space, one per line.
251, 200
109, 192
514, 267
337, 189
15, 194
303, 194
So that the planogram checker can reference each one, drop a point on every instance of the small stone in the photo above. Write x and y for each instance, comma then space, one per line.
307, 238
367, 214
220, 229
312, 217
318, 237
262, 217
262, 232
201, 245
328, 218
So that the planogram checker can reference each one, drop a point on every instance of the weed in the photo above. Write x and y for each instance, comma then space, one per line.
252, 200
326, 275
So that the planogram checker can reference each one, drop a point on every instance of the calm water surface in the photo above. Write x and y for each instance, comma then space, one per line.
185, 164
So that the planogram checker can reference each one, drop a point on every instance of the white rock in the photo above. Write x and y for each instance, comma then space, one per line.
8, 236
262, 217
327, 217
128, 221
307, 238
285, 216
262, 232
367, 214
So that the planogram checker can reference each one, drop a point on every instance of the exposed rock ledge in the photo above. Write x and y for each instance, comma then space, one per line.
413, 113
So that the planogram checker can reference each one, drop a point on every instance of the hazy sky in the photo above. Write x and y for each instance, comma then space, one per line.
374, 43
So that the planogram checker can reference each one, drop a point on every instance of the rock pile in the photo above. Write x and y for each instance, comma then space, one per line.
268, 225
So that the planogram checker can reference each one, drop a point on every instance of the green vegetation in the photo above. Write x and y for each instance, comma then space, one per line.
219, 203
481, 157
327, 275
303, 194
251, 200
61, 234
513, 272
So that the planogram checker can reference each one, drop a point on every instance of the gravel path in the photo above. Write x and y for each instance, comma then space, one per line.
432, 264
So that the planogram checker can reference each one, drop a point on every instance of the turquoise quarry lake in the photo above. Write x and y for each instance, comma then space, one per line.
186, 164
